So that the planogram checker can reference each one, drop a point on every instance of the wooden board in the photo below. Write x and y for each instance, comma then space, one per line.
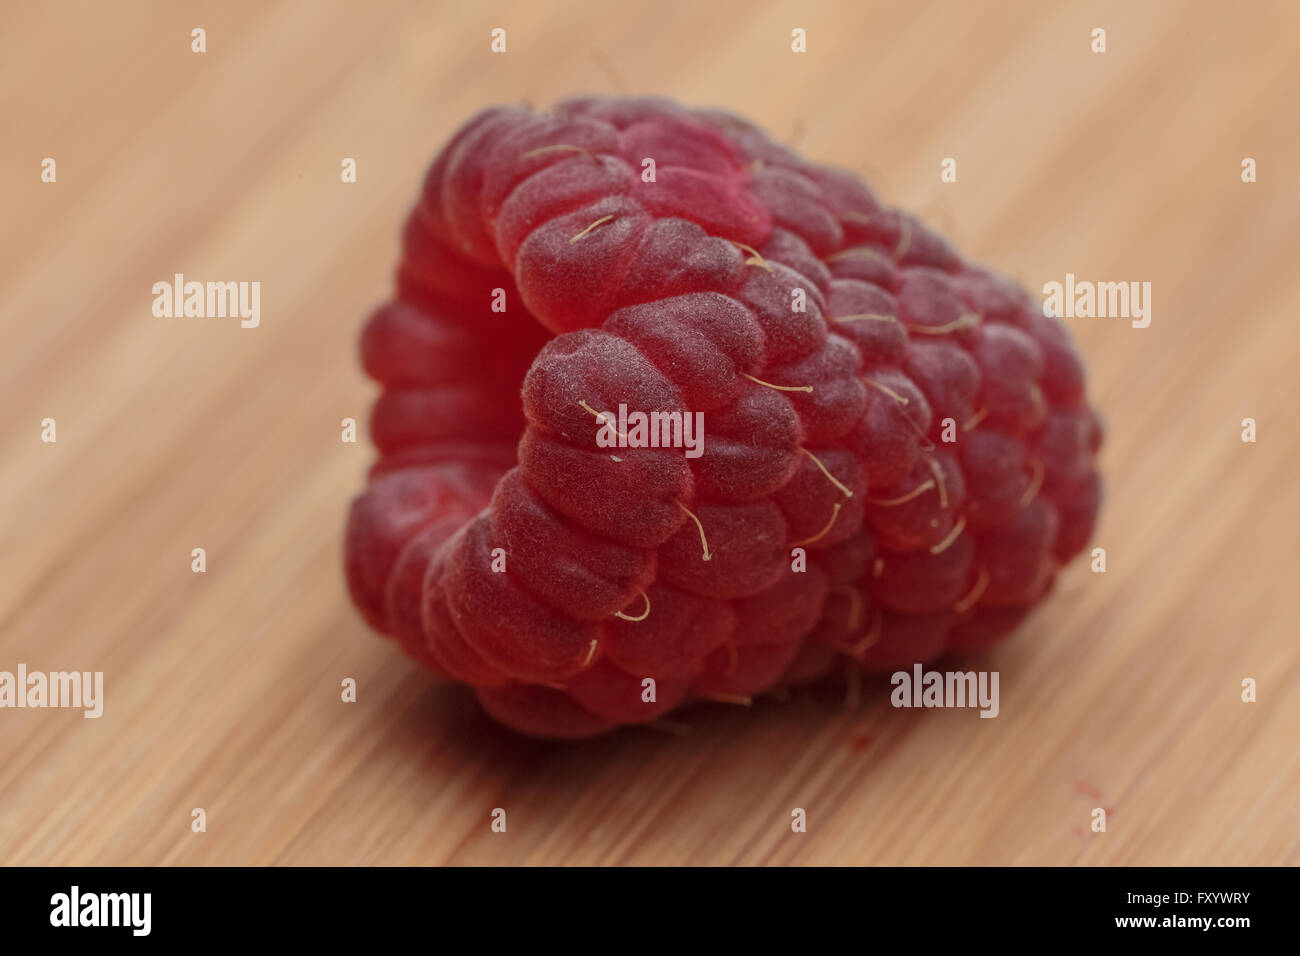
222, 688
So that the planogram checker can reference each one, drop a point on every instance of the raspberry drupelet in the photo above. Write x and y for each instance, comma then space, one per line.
893, 471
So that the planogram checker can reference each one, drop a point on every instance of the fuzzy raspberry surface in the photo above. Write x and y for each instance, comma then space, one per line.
919, 430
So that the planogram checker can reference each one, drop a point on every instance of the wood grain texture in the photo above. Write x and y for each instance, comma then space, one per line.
222, 689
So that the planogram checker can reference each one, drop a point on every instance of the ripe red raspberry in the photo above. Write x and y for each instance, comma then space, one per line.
918, 429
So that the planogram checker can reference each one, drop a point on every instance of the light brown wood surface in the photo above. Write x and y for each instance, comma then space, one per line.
222, 689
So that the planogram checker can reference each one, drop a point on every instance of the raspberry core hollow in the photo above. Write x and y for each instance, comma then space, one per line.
898, 456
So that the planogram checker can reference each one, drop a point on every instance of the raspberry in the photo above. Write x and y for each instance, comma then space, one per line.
918, 430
